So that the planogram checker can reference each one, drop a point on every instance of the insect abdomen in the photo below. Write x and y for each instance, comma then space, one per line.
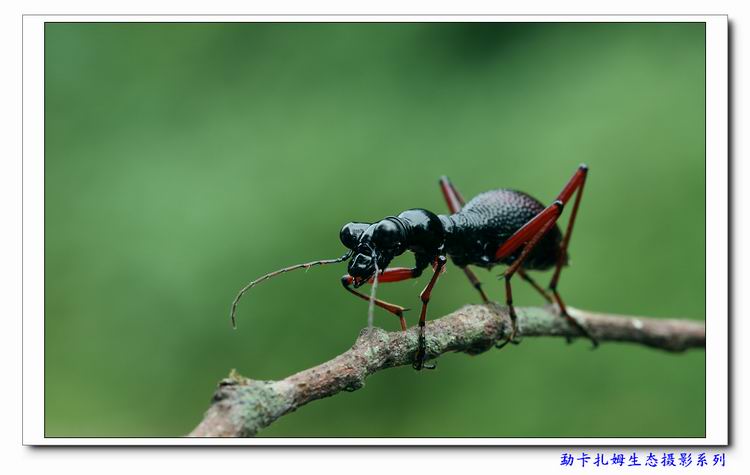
488, 220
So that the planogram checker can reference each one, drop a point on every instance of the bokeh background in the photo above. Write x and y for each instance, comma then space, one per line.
183, 160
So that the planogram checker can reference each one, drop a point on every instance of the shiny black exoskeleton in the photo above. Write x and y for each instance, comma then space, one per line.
497, 227
469, 237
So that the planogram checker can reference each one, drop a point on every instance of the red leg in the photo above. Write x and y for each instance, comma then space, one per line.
395, 274
476, 283
455, 202
580, 178
529, 230
530, 234
541, 229
452, 196
575, 185
425, 297
522, 273
576, 182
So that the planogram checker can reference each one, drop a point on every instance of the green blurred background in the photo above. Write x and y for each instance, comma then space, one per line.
183, 160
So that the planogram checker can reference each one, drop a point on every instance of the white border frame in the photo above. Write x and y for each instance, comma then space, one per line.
717, 284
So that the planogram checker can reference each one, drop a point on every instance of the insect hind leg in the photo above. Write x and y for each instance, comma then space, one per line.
575, 185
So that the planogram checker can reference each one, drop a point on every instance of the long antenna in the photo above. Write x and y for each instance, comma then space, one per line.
257, 281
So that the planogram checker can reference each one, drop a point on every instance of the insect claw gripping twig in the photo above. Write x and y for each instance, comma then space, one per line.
270, 275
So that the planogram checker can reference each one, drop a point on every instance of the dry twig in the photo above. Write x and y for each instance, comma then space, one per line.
241, 406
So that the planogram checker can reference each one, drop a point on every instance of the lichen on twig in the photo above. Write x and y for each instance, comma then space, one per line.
241, 406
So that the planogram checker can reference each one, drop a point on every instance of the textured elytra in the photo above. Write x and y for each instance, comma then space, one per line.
488, 220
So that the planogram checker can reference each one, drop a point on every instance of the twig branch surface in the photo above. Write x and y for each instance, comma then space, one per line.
241, 407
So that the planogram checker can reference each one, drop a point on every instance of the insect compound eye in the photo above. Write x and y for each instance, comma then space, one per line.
350, 234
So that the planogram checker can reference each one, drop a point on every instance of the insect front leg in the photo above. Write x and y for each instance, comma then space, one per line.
421, 355
395, 274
